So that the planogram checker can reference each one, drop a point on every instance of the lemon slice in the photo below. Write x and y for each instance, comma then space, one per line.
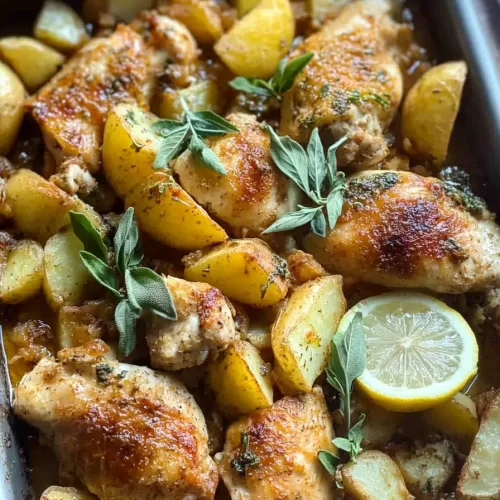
419, 351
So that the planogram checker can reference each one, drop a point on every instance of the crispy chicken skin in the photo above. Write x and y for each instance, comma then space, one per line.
353, 85
285, 438
204, 324
401, 230
253, 194
71, 108
124, 431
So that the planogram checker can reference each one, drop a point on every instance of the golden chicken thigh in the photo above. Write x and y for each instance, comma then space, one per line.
253, 194
399, 229
353, 85
271, 453
204, 324
124, 431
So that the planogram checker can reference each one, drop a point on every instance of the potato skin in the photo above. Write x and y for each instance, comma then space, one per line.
11, 107
255, 45
129, 147
244, 270
430, 110
168, 214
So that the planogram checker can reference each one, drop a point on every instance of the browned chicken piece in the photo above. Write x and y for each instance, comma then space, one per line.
353, 85
124, 431
253, 194
271, 453
399, 229
71, 109
205, 324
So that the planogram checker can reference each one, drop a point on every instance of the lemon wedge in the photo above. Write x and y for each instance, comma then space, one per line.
419, 351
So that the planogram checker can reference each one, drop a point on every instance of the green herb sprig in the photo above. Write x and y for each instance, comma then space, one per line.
347, 362
189, 134
316, 176
282, 80
245, 458
143, 289
357, 96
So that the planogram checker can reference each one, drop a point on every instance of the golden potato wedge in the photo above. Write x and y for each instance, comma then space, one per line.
168, 214
66, 281
374, 476
23, 274
255, 45
244, 270
430, 110
123, 10
199, 97
259, 335
245, 6
39, 207
60, 27
457, 419
302, 334
33, 61
304, 267
480, 475
426, 467
202, 18
11, 107
129, 147
240, 379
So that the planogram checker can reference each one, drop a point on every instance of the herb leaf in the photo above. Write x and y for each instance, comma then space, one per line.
316, 155
147, 290
251, 86
329, 461
292, 69
128, 248
125, 319
292, 220
245, 458
101, 272
208, 124
318, 224
205, 155
171, 146
88, 235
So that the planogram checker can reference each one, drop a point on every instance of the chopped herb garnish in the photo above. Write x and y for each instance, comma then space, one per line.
280, 270
189, 134
282, 80
325, 90
245, 458
103, 372
318, 178
144, 289
357, 96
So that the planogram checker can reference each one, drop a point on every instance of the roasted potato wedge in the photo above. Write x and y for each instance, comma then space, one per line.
60, 27
129, 147
480, 476
168, 214
240, 379
11, 107
23, 274
426, 467
302, 333
255, 45
457, 419
245, 6
243, 270
66, 280
374, 476
32, 60
199, 97
430, 110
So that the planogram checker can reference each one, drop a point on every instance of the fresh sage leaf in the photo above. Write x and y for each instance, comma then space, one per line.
332, 159
317, 167
343, 444
329, 461
292, 220
128, 250
101, 272
291, 71
164, 127
208, 124
147, 290
335, 200
254, 86
88, 235
171, 146
126, 319
205, 156
318, 224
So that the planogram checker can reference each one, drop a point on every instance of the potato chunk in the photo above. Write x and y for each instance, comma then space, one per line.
243, 270
11, 107
426, 468
302, 333
430, 110
129, 147
457, 419
32, 60
66, 493
240, 379
256, 43
374, 476
23, 274
59, 26
66, 280
480, 476
168, 214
